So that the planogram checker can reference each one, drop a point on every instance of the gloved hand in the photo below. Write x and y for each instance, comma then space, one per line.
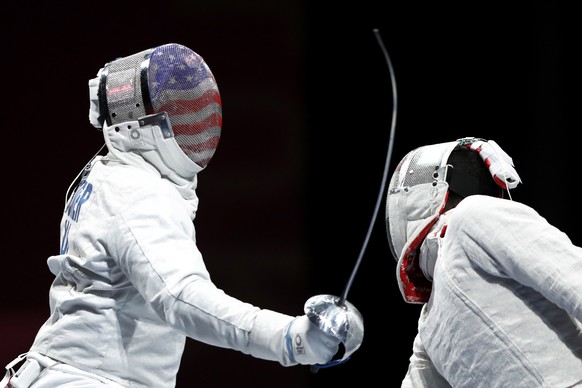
306, 344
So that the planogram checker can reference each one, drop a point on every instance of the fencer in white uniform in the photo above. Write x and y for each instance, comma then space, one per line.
130, 283
501, 288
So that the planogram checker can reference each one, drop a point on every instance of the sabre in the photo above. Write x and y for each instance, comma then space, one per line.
335, 315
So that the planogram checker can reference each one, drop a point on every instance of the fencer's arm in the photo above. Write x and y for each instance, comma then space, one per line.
529, 250
157, 252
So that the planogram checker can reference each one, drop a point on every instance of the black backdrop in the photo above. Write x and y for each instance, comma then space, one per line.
286, 202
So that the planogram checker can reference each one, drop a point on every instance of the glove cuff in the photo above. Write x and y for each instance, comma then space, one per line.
289, 343
267, 337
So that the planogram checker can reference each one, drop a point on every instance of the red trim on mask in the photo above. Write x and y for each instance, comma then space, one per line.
417, 288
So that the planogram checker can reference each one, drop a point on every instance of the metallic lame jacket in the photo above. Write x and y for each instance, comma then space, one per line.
131, 284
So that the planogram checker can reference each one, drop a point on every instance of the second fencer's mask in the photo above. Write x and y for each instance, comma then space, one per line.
417, 196
162, 103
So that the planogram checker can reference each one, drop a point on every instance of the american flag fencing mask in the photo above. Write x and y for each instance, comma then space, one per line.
170, 78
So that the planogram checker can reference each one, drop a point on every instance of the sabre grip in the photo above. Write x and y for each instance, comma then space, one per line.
307, 344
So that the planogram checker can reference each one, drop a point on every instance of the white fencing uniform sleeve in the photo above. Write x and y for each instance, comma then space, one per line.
517, 242
165, 266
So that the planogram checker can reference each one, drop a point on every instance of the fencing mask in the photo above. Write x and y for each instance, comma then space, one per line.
162, 103
417, 196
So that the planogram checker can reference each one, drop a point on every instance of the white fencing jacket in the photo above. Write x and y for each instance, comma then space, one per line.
506, 303
131, 284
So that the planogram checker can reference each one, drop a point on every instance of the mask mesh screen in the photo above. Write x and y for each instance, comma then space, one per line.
181, 84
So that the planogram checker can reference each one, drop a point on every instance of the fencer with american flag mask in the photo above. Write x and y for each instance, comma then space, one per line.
130, 283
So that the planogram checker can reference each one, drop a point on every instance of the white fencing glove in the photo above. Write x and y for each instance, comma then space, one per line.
306, 344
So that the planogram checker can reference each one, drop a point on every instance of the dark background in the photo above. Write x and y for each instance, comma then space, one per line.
307, 103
